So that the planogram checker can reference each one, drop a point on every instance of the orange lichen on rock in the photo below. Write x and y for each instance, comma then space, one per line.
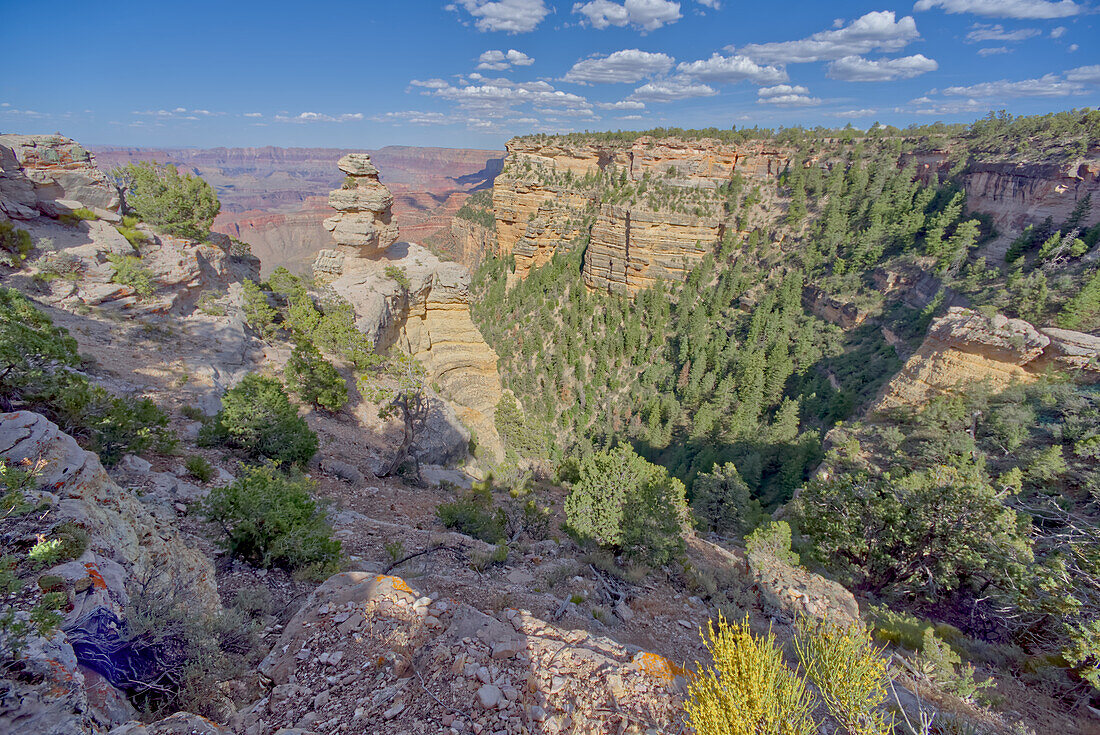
659, 667
97, 579
396, 582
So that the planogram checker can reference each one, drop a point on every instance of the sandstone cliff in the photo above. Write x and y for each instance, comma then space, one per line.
964, 347
546, 198
631, 249
429, 316
46, 174
472, 243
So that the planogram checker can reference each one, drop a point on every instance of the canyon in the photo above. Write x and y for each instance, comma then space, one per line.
275, 199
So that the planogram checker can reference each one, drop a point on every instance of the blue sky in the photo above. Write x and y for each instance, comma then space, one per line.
472, 73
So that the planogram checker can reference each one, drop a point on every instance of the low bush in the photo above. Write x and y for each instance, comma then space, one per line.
259, 314
209, 303
396, 274
315, 379
850, 675
200, 468
473, 514
129, 271
178, 205
623, 502
724, 503
270, 519
772, 541
748, 689
60, 265
15, 244
258, 418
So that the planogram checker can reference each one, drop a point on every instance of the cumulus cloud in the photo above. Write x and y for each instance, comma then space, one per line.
644, 15
1030, 9
495, 60
510, 16
1085, 74
621, 105
859, 69
848, 114
712, 4
32, 114
1048, 85
628, 65
253, 114
877, 30
726, 69
982, 32
486, 103
994, 50
670, 90
311, 117
786, 95
1058, 32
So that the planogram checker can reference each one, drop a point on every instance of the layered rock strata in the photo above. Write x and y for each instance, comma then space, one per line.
538, 209
964, 347
632, 249
472, 242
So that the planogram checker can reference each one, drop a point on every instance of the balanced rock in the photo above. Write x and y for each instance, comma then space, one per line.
363, 223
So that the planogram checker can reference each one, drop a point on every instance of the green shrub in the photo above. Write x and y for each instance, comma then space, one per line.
200, 468
193, 412
15, 244
60, 265
724, 503
208, 303
259, 314
623, 502
396, 274
178, 205
258, 418
85, 214
270, 519
473, 514
772, 541
315, 379
129, 271
130, 231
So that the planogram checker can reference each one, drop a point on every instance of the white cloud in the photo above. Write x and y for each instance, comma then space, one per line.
645, 15
865, 112
631, 117
486, 103
1072, 47
1049, 85
308, 117
875, 30
511, 16
1030, 9
1085, 74
712, 4
253, 114
786, 95
628, 65
670, 90
414, 117
982, 32
859, 69
32, 114
495, 60
1058, 32
994, 50
430, 83
725, 69
178, 113
621, 105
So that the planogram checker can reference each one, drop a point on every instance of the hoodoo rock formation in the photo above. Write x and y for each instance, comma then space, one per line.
427, 314
51, 175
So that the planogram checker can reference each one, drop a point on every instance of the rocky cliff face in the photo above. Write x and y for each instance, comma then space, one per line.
631, 249
42, 174
472, 243
965, 347
429, 317
541, 204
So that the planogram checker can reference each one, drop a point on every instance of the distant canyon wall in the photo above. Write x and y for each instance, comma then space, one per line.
275, 199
